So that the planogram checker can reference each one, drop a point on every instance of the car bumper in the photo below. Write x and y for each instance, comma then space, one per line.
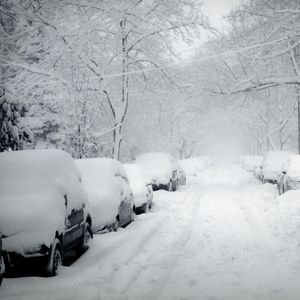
141, 209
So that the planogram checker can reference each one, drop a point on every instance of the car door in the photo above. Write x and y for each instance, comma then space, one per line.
74, 227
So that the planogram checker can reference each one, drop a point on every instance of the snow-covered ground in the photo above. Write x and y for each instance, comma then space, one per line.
222, 236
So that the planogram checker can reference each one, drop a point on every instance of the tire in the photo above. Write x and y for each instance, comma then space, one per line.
55, 259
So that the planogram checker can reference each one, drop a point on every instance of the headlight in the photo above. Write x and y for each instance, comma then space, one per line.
37, 251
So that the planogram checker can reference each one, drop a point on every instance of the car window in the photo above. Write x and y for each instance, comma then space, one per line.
75, 218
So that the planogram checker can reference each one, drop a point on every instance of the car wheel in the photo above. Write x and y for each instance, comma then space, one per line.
55, 259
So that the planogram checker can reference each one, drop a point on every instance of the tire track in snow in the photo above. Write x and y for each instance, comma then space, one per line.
174, 251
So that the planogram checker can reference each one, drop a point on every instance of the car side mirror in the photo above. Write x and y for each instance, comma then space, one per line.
283, 172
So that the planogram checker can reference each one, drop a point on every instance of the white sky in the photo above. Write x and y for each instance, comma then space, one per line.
214, 10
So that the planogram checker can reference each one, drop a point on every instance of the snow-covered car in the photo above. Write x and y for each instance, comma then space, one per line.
272, 164
43, 208
2, 267
160, 169
109, 194
194, 165
290, 175
181, 175
251, 162
142, 194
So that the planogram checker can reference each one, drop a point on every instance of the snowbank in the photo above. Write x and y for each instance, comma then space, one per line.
273, 162
157, 167
33, 186
105, 181
285, 216
137, 184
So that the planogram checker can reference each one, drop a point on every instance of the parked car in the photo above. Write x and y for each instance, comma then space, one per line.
160, 169
251, 162
272, 164
290, 175
194, 165
142, 193
43, 208
110, 196
2, 266
181, 175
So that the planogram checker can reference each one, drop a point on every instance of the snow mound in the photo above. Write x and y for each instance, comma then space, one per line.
157, 166
286, 217
107, 185
33, 187
137, 184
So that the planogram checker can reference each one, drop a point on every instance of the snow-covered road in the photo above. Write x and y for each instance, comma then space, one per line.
219, 237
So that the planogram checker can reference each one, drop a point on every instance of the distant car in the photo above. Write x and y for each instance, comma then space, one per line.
181, 175
194, 165
160, 169
272, 164
290, 175
43, 208
2, 266
142, 194
251, 162
110, 196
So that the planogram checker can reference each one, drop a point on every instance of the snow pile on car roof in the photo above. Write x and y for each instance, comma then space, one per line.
156, 166
194, 165
34, 186
293, 169
137, 184
105, 190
